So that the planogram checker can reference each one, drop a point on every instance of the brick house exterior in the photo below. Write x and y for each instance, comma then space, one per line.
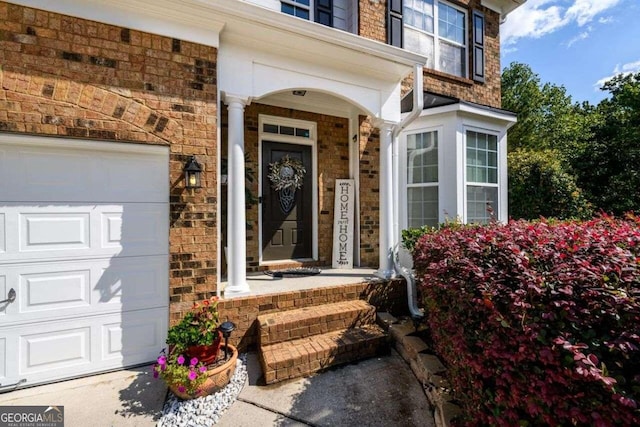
195, 78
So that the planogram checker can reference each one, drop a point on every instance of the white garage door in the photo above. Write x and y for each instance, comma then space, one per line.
84, 244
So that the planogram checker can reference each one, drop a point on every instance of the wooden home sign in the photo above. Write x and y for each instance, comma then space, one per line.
343, 224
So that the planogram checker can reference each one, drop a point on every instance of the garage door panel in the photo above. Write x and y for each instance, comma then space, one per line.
83, 171
118, 178
55, 349
54, 231
135, 229
3, 294
3, 359
84, 241
133, 283
3, 237
57, 173
47, 232
55, 290
75, 347
58, 290
137, 335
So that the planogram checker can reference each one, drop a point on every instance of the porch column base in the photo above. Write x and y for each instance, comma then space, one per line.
237, 290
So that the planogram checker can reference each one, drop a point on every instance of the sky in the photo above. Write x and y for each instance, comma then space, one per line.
578, 44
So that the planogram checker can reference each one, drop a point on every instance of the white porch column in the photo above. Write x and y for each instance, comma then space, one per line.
385, 270
236, 210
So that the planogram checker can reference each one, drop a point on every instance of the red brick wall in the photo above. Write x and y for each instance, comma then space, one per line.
73, 78
373, 26
333, 163
369, 193
372, 20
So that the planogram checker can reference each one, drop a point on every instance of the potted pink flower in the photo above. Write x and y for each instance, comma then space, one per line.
184, 377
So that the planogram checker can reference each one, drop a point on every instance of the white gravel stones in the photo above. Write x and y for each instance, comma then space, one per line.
204, 411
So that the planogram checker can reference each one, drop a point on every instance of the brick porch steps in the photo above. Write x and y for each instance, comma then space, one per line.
306, 340
296, 358
309, 321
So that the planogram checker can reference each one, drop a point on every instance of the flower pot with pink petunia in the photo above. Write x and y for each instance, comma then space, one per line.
197, 334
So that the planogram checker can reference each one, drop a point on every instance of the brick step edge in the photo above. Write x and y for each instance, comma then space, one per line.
315, 320
427, 368
297, 358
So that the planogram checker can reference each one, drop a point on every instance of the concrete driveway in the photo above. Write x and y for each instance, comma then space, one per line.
380, 391
123, 398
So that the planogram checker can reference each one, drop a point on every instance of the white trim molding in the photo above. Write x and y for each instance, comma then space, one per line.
286, 139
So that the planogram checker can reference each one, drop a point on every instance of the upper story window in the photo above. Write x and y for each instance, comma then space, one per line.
340, 14
422, 179
299, 8
481, 176
439, 31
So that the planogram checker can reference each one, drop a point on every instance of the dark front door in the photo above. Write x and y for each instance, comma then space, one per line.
286, 215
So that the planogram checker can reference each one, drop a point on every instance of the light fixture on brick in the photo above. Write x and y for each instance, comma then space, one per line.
192, 171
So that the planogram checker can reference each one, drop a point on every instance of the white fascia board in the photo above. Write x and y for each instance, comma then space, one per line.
184, 20
255, 19
506, 120
503, 7
202, 21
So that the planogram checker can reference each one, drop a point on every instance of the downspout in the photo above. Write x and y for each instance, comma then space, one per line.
404, 270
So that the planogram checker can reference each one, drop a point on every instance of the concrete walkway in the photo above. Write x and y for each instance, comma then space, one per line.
124, 398
380, 391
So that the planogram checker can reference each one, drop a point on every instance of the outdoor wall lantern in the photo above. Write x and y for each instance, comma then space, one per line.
192, 172
226, 328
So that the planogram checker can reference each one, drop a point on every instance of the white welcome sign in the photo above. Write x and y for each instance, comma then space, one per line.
343, 224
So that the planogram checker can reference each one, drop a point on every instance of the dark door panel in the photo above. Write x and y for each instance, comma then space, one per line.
287, 229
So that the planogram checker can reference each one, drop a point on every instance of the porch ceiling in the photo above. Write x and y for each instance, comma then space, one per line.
314, 102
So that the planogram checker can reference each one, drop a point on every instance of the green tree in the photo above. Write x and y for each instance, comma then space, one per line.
539, 186
547, 117
608, 168
543, 144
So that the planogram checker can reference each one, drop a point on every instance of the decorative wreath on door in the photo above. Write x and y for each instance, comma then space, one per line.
286, 176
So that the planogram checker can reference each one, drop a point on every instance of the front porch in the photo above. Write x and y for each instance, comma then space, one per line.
263, 284
273, 295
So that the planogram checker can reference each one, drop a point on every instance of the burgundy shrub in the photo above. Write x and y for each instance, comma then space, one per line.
538, 322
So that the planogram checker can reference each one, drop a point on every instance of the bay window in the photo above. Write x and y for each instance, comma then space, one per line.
422, 179
481, 177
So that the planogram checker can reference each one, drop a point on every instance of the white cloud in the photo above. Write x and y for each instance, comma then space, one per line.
537, 18
508, 50
582, 36
583, 11
605, 20
628, 68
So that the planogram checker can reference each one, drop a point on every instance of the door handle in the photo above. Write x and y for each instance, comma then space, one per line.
11, 297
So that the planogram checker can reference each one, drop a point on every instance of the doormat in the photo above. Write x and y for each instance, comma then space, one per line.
293, 272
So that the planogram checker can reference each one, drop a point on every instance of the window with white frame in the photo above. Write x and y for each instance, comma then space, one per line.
481, 176
437, 30
299, 8
340, 14
422, 179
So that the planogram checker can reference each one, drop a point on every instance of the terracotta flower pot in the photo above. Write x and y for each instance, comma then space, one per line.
217, 378
206, 353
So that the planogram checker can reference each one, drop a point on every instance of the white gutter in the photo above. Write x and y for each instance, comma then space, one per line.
418, 105
418, 100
